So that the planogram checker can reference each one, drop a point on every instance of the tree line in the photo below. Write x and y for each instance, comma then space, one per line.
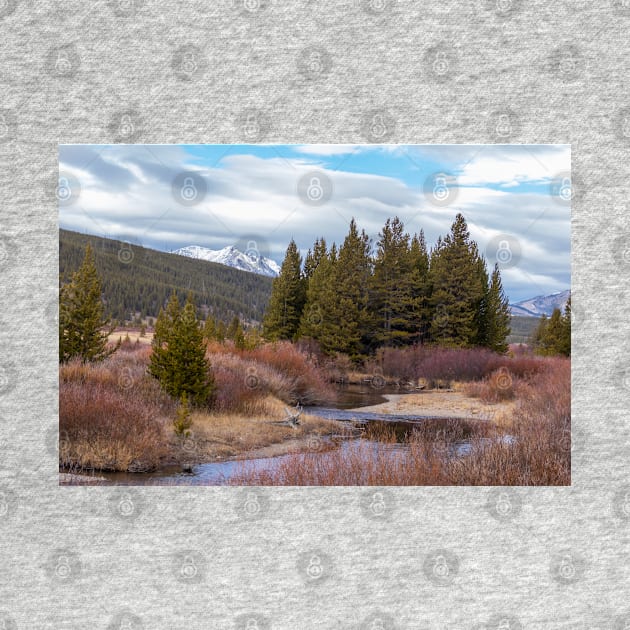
351, 299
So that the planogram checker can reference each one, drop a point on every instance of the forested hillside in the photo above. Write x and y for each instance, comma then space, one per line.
140, 280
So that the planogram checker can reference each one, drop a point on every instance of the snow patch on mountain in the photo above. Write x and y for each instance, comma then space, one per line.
232, 257
541, 304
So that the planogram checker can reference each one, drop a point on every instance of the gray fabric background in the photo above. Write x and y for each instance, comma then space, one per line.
557, 558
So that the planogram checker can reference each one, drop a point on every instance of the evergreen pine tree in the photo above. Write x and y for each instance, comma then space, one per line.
549, 335
564, 346
497, 315
178, 360
220, 331
81, 320
420, 286
392, 287
346, 309
320, 296
210, 328
233, 327
314, 257
160, 362
457, 288
288, 295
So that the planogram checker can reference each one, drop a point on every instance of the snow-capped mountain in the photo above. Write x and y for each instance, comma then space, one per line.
232, 257
541, 304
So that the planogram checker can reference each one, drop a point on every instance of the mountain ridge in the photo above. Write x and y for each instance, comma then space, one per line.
541, 304
230, 256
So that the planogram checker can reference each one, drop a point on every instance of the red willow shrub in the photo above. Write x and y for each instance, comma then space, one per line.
111, 415
436, 363
279, 369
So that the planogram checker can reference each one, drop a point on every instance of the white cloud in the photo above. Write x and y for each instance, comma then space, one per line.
126, 193
511, 168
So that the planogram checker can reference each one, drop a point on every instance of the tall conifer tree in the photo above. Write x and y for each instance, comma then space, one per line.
457, 289
393, 291
81, 320
288, 295
497, 316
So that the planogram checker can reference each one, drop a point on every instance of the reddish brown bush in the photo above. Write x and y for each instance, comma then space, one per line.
435, 363
111, 415
279, 369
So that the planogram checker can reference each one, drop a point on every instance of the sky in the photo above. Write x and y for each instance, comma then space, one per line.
515, 198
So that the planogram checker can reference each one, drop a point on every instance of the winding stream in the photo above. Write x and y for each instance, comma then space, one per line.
349, 397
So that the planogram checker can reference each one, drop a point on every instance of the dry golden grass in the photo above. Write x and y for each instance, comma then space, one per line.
235, 434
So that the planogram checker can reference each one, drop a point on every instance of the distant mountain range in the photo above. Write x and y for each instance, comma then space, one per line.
232, 257
541, 304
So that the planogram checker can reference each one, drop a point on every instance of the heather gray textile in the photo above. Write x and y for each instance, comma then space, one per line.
353, 71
